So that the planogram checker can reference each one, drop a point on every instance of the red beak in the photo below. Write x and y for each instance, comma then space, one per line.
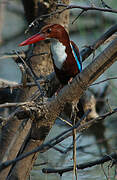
35, 38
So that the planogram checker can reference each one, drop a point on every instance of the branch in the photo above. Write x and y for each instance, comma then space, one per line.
87, 51
107, 79
102, 117
102, 160
105, 5
13, 85
85, 8
31, 72
7, 105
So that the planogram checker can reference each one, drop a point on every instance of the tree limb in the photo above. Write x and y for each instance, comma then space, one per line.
102, 160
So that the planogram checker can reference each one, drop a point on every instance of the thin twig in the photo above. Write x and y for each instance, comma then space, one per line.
102, 167
67, 122
105, 5
7, 105
10, 84
109, 167
40, 164
109, 105
85, 8
101, 117
22, 54
74, 150
5, 56
78, 16
111, 78
31, 73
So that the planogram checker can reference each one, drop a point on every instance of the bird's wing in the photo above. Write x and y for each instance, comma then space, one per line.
77, 55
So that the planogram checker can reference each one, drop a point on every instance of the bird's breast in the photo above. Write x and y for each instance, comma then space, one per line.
58, 52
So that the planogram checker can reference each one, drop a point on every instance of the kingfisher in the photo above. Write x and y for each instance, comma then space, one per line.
66, 58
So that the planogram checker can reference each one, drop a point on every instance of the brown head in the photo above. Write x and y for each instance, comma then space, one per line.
50, 31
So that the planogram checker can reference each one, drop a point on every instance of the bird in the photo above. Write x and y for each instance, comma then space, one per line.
66, 58
65, 54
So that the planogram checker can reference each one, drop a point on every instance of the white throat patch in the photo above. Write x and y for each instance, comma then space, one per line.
58, 53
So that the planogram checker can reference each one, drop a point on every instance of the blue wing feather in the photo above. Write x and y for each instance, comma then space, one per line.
77, 55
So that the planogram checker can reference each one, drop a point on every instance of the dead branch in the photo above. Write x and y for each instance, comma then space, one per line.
102, 160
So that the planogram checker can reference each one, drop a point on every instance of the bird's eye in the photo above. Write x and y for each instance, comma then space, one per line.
48, 30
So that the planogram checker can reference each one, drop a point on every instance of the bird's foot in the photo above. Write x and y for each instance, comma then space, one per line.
56, 93
70, 80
